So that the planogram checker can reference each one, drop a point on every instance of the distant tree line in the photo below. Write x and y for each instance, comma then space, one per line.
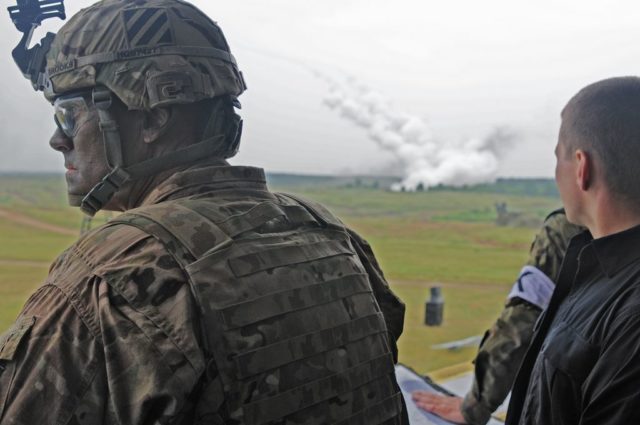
509, 186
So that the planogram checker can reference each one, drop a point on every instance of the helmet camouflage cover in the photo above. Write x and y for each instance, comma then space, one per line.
149, 53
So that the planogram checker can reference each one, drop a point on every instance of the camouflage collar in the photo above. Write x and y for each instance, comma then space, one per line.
207, 179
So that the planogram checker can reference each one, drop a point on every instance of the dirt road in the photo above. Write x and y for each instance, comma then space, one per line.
16, 217
24, 263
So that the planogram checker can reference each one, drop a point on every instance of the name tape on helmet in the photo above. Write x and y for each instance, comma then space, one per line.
140, 52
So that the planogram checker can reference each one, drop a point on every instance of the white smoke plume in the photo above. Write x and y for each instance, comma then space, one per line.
427, 161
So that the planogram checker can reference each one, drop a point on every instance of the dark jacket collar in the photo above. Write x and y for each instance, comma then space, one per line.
616, 251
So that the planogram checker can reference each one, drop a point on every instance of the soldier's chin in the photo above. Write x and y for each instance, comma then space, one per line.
75, 200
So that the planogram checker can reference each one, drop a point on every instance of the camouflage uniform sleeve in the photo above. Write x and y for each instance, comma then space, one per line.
49, 359
498, 360
505, 344
548, 247
103, 344
392, 307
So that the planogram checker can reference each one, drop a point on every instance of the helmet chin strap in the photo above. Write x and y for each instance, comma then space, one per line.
119, 175
102, 193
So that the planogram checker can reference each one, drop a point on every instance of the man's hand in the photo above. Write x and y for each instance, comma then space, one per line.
446, 407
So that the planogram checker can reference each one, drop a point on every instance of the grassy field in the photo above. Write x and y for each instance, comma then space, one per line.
442, 237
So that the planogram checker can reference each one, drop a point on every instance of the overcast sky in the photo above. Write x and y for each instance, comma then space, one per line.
464, 67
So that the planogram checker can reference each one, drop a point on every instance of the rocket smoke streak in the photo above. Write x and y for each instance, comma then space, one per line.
427, 161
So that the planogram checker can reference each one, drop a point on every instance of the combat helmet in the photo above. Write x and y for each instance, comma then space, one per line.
147, 53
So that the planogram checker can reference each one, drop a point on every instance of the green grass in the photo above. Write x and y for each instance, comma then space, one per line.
21, 242
437, 205
42, 197
469, 310
70, 218
42, 190
447, 252
475, 215
16, 283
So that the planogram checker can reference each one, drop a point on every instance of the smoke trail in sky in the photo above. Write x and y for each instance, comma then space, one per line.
427, 160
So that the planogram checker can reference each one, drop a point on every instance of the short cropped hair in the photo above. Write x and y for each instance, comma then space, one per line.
603, 119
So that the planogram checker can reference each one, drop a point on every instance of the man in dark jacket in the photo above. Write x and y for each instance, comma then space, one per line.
583, 366
505, 344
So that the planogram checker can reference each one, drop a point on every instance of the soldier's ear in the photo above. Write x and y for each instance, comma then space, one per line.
584, 170
156, 123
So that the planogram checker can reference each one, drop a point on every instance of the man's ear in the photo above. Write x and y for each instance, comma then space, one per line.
584, 169
156, 123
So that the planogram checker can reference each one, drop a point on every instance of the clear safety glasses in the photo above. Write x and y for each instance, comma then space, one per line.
71, 112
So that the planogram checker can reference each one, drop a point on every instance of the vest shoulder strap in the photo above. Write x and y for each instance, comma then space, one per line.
186, 234
320, 212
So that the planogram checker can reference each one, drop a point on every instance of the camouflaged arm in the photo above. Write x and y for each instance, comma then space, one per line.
506, 343
548, 247
392, 307
498, 360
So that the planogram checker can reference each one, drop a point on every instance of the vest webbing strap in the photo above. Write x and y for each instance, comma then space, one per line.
385, 298
315, 392
273, 304
318, 211
197, 234
254, 218
288, 255
291, 350
374, 392
180, 253
374, 415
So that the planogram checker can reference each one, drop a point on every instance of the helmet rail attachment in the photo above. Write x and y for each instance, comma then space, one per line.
158, 53
27, 15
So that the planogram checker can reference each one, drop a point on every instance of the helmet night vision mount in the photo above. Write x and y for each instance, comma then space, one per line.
27, 15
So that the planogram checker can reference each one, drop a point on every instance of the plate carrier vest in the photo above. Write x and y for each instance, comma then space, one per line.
289, 320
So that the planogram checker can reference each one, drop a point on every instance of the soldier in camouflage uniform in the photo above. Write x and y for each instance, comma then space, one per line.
211, 300
505, 344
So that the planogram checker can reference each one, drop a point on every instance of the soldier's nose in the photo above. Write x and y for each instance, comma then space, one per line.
60, 142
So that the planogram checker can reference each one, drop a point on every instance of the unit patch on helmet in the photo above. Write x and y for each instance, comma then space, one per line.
147, 27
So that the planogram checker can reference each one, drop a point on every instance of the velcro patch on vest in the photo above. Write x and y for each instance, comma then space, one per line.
270, 305
303, 346
288, 255
147, 27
